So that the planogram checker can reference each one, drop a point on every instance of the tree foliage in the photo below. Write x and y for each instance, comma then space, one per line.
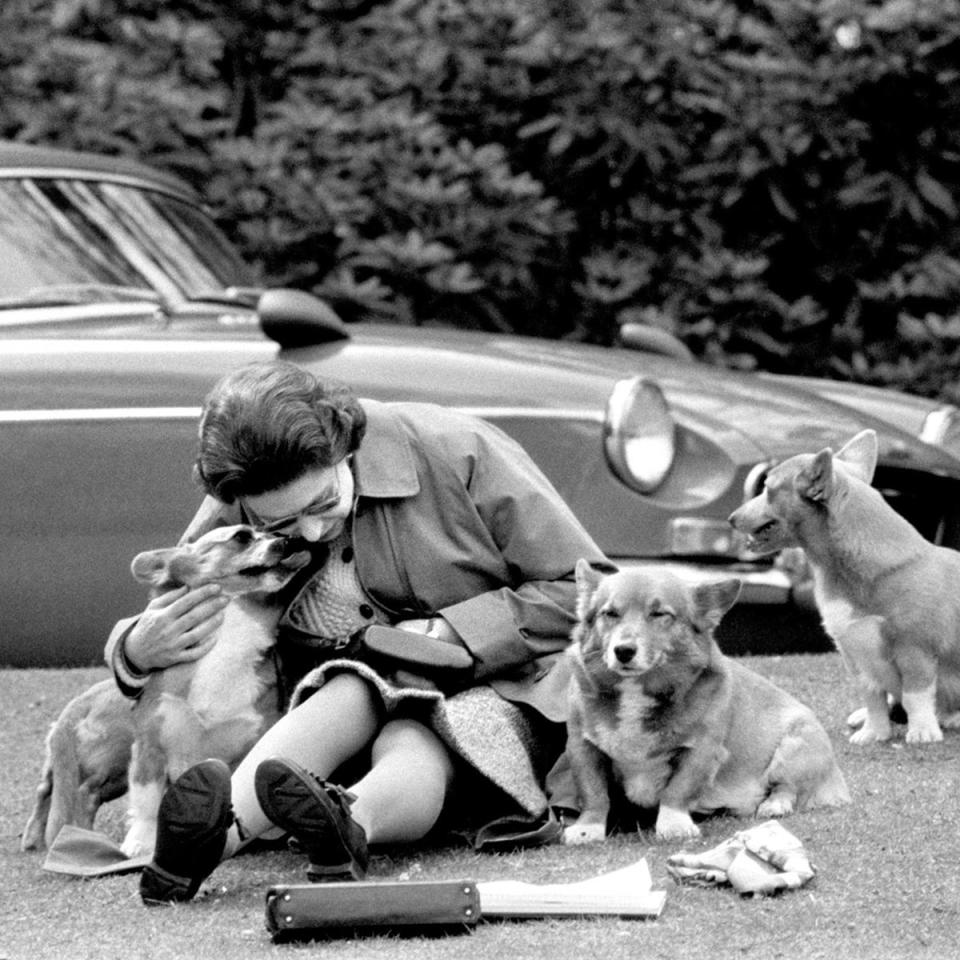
774, 181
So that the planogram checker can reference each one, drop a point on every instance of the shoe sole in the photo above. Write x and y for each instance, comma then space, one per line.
203, 789
272, 777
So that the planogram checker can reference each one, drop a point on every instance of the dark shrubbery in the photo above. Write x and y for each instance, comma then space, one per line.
774, 181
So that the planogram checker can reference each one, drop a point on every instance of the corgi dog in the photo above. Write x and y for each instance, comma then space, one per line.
682, 727
888, 598
217, 706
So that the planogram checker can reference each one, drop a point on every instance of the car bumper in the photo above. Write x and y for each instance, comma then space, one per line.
771, 617
761, 586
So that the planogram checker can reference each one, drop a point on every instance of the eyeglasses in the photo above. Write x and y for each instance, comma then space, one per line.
325, 504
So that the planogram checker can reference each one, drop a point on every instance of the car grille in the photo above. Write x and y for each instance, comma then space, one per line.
931, 503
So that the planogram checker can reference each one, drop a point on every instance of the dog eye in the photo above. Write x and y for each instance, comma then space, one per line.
243, 536
664, 616
610, 613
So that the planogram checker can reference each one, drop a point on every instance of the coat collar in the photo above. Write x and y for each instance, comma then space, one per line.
384, 464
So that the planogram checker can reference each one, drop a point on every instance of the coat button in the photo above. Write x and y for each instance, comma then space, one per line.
366, 611
347, 554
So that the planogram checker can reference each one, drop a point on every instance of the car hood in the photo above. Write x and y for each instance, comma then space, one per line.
782, 417
776, 420
751, 418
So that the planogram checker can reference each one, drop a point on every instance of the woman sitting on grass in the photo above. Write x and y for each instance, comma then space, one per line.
418, 517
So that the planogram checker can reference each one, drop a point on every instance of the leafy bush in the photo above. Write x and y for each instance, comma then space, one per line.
773, 181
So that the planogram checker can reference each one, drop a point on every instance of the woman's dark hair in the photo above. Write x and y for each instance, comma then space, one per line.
264, 425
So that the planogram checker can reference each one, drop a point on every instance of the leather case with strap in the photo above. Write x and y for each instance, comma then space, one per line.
417, 651
314, 911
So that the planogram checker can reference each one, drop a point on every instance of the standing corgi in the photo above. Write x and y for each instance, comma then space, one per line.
889, 599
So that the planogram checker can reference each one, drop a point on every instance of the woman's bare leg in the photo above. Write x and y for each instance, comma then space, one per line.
329, 728
401, 797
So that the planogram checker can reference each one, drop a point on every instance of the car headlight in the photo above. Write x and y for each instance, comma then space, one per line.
941, 427
639, 436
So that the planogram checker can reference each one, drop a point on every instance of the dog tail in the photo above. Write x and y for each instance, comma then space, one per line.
67, 800
35, 832
57, 793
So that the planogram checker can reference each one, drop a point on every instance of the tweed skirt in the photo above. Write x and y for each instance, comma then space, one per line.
493, 736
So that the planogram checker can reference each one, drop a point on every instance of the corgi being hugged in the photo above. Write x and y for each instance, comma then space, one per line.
685, 729
217, 706
889, 598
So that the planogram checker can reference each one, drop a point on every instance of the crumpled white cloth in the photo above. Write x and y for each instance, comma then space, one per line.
762, 860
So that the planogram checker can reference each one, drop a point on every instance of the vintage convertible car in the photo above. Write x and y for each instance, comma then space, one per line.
121, 303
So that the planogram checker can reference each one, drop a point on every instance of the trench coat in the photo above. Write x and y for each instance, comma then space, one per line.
454, 519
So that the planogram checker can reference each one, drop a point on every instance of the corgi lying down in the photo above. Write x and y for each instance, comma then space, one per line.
685, 729
217, 706
889, 599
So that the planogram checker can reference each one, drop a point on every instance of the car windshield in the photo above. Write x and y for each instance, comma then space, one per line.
72, 241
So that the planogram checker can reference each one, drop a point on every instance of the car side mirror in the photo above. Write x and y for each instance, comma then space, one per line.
295, 318
640, 336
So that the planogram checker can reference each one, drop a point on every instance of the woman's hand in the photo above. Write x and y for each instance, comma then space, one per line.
176, 627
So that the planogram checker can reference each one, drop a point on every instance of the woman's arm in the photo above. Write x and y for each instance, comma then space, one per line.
540, 541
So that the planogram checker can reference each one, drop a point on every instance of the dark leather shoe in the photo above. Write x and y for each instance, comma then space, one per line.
317, 815
192, 825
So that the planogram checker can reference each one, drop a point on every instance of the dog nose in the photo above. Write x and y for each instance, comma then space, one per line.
625, 652
292, 545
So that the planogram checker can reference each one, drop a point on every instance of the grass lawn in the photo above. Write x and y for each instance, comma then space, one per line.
888, 881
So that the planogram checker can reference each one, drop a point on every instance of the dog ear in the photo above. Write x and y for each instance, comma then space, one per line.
587, 577
151, 566
588, 580
712, 600
860, 455
816, 481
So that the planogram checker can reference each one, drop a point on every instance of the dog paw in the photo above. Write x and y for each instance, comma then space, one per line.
30, 842
584, 833
868, 734
139, 842
675, 825
33, 835
777, 805
924, 734
676, 832
858, 718
134, 851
